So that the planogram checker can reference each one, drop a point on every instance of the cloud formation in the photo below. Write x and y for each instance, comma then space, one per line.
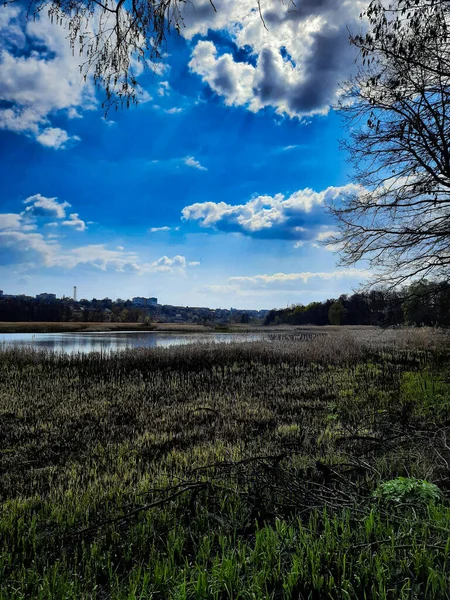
190, 161
286, 283
9, 221
275, 217
157, 229
40, 206
167, 265
22, 244
304, 277
56, 138
293, 61
75, 222
39, 77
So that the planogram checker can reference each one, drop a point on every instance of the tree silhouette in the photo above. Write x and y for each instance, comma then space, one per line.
396, 110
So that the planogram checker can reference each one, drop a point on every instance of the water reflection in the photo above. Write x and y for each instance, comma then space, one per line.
111, 342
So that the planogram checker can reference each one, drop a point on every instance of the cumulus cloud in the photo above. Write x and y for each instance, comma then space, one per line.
166, 264
19, 247
40, 206
294, 66
39, 77
31, 249
275, 217
190, 161
75, 222
9, 221
54, 137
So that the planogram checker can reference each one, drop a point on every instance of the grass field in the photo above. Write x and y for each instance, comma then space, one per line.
315, 467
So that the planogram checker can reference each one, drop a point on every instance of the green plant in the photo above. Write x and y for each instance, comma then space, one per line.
408, 490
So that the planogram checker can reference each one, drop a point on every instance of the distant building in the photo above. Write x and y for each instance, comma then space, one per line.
46, 296
140, 301
1, 293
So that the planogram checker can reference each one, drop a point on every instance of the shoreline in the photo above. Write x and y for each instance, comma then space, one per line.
77, 327
34, 327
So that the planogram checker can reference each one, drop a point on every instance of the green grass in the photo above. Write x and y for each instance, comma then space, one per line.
243, 471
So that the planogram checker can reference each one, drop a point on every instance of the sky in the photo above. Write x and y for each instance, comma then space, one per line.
211, 191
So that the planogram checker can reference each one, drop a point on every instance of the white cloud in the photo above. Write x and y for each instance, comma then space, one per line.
38, 84
54, 137
40, 206
190, 161
173, 111
194, 263
98, 256
156, 229
275, 217
108, 122
294, 65
323, 236
279, 284
75, 222
20, 246
166, 264
278, 278
23, 247
163, 88
10, 221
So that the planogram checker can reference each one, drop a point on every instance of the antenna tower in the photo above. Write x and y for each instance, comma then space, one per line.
75, 293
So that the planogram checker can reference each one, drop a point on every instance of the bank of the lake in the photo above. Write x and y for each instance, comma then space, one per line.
292, 469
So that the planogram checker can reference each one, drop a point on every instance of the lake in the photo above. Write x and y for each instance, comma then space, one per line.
111, 342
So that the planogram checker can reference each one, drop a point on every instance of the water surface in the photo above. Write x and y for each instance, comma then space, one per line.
110, 342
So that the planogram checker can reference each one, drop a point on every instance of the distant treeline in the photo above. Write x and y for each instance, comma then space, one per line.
422, 303
26, 308
29, 309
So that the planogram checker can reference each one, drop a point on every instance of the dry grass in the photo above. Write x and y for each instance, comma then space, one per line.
218, 472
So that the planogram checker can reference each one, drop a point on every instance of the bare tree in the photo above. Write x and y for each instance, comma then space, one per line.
111, 37
397, 112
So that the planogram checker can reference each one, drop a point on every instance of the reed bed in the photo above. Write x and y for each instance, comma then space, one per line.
306, 467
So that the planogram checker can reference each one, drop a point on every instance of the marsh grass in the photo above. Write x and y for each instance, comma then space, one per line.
232, 471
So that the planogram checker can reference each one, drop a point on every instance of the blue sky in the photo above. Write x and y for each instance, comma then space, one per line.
210, 192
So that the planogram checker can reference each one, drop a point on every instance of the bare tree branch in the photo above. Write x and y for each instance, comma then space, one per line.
396, 111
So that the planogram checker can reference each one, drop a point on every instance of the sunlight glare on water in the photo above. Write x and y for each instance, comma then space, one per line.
109, 342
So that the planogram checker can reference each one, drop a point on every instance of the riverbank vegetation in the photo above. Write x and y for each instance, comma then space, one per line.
308, 467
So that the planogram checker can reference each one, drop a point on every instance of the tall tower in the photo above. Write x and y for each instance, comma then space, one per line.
75, 293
